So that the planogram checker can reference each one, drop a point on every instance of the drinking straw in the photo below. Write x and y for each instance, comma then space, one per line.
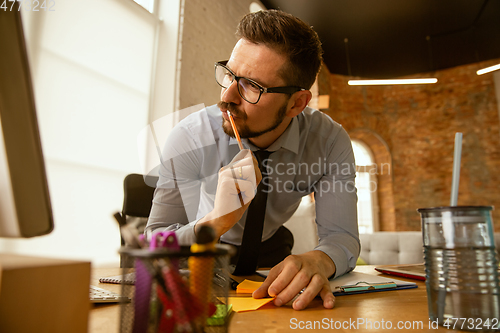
235, 130
456, 169
448, 227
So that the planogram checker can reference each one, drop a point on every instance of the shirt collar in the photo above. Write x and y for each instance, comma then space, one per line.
289, 139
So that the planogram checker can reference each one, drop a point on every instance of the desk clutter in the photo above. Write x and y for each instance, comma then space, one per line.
176, 288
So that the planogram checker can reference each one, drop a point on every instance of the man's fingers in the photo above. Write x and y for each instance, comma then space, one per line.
287, 274
240, 196
315, 287
242, 155
248, 161
242, 160
247, 190
237, 194
240, 171
258, 174
262, 291
327, 296
308, 293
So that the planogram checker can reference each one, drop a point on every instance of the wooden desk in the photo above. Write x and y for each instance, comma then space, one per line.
104, 318
352, 313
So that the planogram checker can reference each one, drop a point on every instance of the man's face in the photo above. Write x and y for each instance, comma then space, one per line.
260, 63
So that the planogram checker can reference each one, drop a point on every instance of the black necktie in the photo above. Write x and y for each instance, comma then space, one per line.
252, 234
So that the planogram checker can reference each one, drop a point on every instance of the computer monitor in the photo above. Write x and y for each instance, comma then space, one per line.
25, 209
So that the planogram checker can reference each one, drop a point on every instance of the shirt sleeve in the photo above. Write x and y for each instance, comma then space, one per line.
336, 205
190, 162
178, 188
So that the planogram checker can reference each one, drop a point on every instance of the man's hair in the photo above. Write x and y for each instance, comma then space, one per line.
290, 37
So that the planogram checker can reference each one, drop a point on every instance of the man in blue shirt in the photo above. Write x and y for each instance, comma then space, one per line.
265, 87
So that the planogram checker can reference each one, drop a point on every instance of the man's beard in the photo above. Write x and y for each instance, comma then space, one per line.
244, 131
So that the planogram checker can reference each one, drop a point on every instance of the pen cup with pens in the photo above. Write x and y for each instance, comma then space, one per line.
176, 288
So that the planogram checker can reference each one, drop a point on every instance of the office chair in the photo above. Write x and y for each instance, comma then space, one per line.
138, 191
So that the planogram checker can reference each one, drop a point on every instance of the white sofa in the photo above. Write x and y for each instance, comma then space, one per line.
379, 248
390, 248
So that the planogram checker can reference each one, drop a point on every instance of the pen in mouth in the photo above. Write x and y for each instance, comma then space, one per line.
233, 125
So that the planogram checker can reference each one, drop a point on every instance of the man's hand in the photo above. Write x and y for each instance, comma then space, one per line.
235, 190
308, 271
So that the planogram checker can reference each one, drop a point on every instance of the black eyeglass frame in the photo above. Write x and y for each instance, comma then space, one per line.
277, 90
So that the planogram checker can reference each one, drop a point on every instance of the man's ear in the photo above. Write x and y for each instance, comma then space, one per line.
298, 102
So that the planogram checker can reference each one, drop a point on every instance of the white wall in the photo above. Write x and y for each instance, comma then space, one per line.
164, 76
91, 63
207, 36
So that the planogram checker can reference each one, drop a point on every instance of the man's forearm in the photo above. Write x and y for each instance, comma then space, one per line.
220, 224
211, 222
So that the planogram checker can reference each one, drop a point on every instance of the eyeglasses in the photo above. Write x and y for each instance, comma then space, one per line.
248, 89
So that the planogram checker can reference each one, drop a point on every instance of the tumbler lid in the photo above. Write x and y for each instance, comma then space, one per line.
454, 209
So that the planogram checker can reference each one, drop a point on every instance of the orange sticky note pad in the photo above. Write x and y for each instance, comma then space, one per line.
241, 304
247, 287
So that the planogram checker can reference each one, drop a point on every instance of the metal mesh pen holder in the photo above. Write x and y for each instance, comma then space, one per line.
175, 291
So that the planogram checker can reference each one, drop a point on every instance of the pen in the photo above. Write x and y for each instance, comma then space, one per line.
234, 283
143, 285
185, 308
221, 281
168, 240
233, 125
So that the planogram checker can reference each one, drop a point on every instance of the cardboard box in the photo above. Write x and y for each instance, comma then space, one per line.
43, 295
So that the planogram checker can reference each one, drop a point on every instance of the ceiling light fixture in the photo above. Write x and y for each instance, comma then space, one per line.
390, 82
488, 69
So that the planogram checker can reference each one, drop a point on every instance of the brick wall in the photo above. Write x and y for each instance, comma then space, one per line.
417, 124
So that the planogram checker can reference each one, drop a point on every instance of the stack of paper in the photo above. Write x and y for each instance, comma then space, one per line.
247, 287
247, 303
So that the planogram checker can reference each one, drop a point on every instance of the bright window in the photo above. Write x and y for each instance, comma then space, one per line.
92, 98
366, 184
148, 4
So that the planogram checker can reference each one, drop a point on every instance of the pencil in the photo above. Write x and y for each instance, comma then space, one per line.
237, 188
235, 130
233, 125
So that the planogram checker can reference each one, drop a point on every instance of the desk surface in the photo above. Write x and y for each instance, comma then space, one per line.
406, 308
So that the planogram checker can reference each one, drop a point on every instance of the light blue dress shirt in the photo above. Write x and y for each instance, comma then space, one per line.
313, 155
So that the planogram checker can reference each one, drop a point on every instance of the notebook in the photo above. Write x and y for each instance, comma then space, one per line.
411, 271
128, 278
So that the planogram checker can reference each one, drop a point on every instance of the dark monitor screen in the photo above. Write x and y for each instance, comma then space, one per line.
25, 209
